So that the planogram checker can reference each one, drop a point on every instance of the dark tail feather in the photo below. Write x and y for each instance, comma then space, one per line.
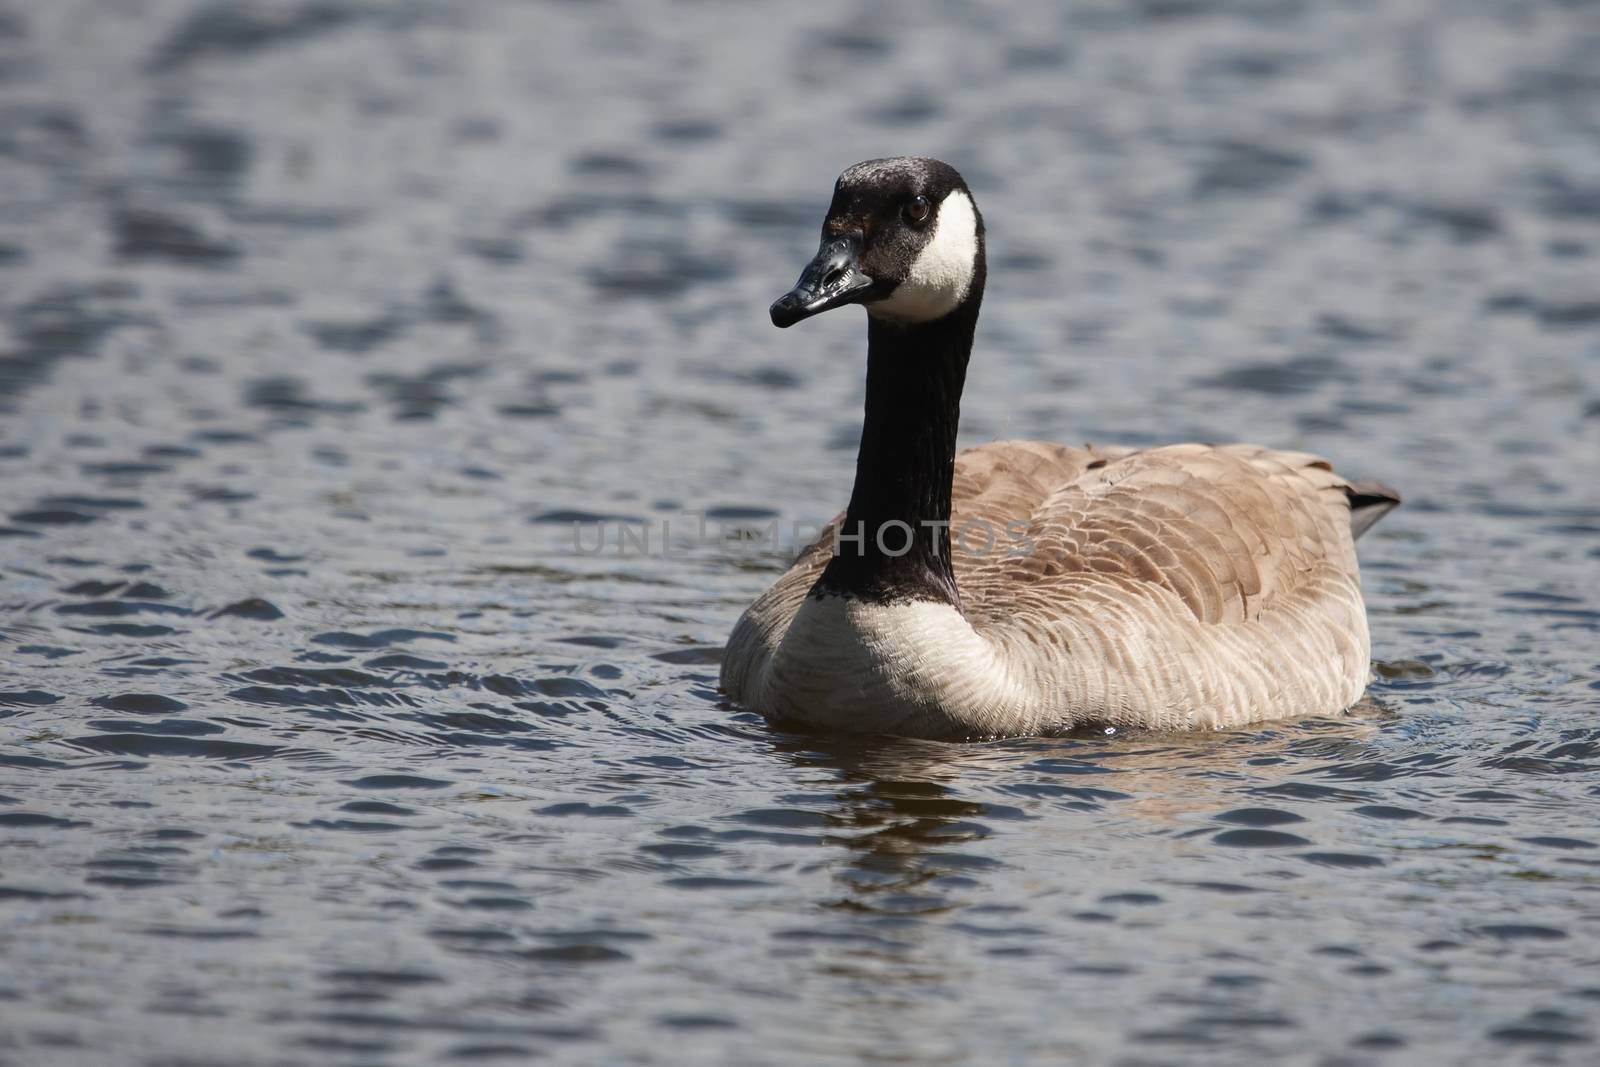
1369, 502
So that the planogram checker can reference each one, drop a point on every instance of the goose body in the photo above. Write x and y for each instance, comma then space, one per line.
1024, 587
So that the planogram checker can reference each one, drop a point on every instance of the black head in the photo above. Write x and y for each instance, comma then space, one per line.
902, 236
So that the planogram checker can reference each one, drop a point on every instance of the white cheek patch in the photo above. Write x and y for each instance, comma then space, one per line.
942, 273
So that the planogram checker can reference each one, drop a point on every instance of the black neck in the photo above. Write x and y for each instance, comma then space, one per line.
907, 460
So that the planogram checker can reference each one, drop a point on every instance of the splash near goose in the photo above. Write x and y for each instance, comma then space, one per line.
1183, 587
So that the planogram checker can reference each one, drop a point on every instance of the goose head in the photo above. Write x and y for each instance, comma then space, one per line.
902, 237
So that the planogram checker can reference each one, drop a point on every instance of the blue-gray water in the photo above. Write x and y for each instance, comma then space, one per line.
321, 744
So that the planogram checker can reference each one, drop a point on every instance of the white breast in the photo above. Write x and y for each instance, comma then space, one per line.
913, 668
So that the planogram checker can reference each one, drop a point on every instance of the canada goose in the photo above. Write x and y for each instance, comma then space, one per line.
1183, 587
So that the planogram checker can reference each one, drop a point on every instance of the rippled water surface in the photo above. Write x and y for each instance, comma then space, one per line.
322, 742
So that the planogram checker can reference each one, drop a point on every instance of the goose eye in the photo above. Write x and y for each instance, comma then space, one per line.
918, 209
